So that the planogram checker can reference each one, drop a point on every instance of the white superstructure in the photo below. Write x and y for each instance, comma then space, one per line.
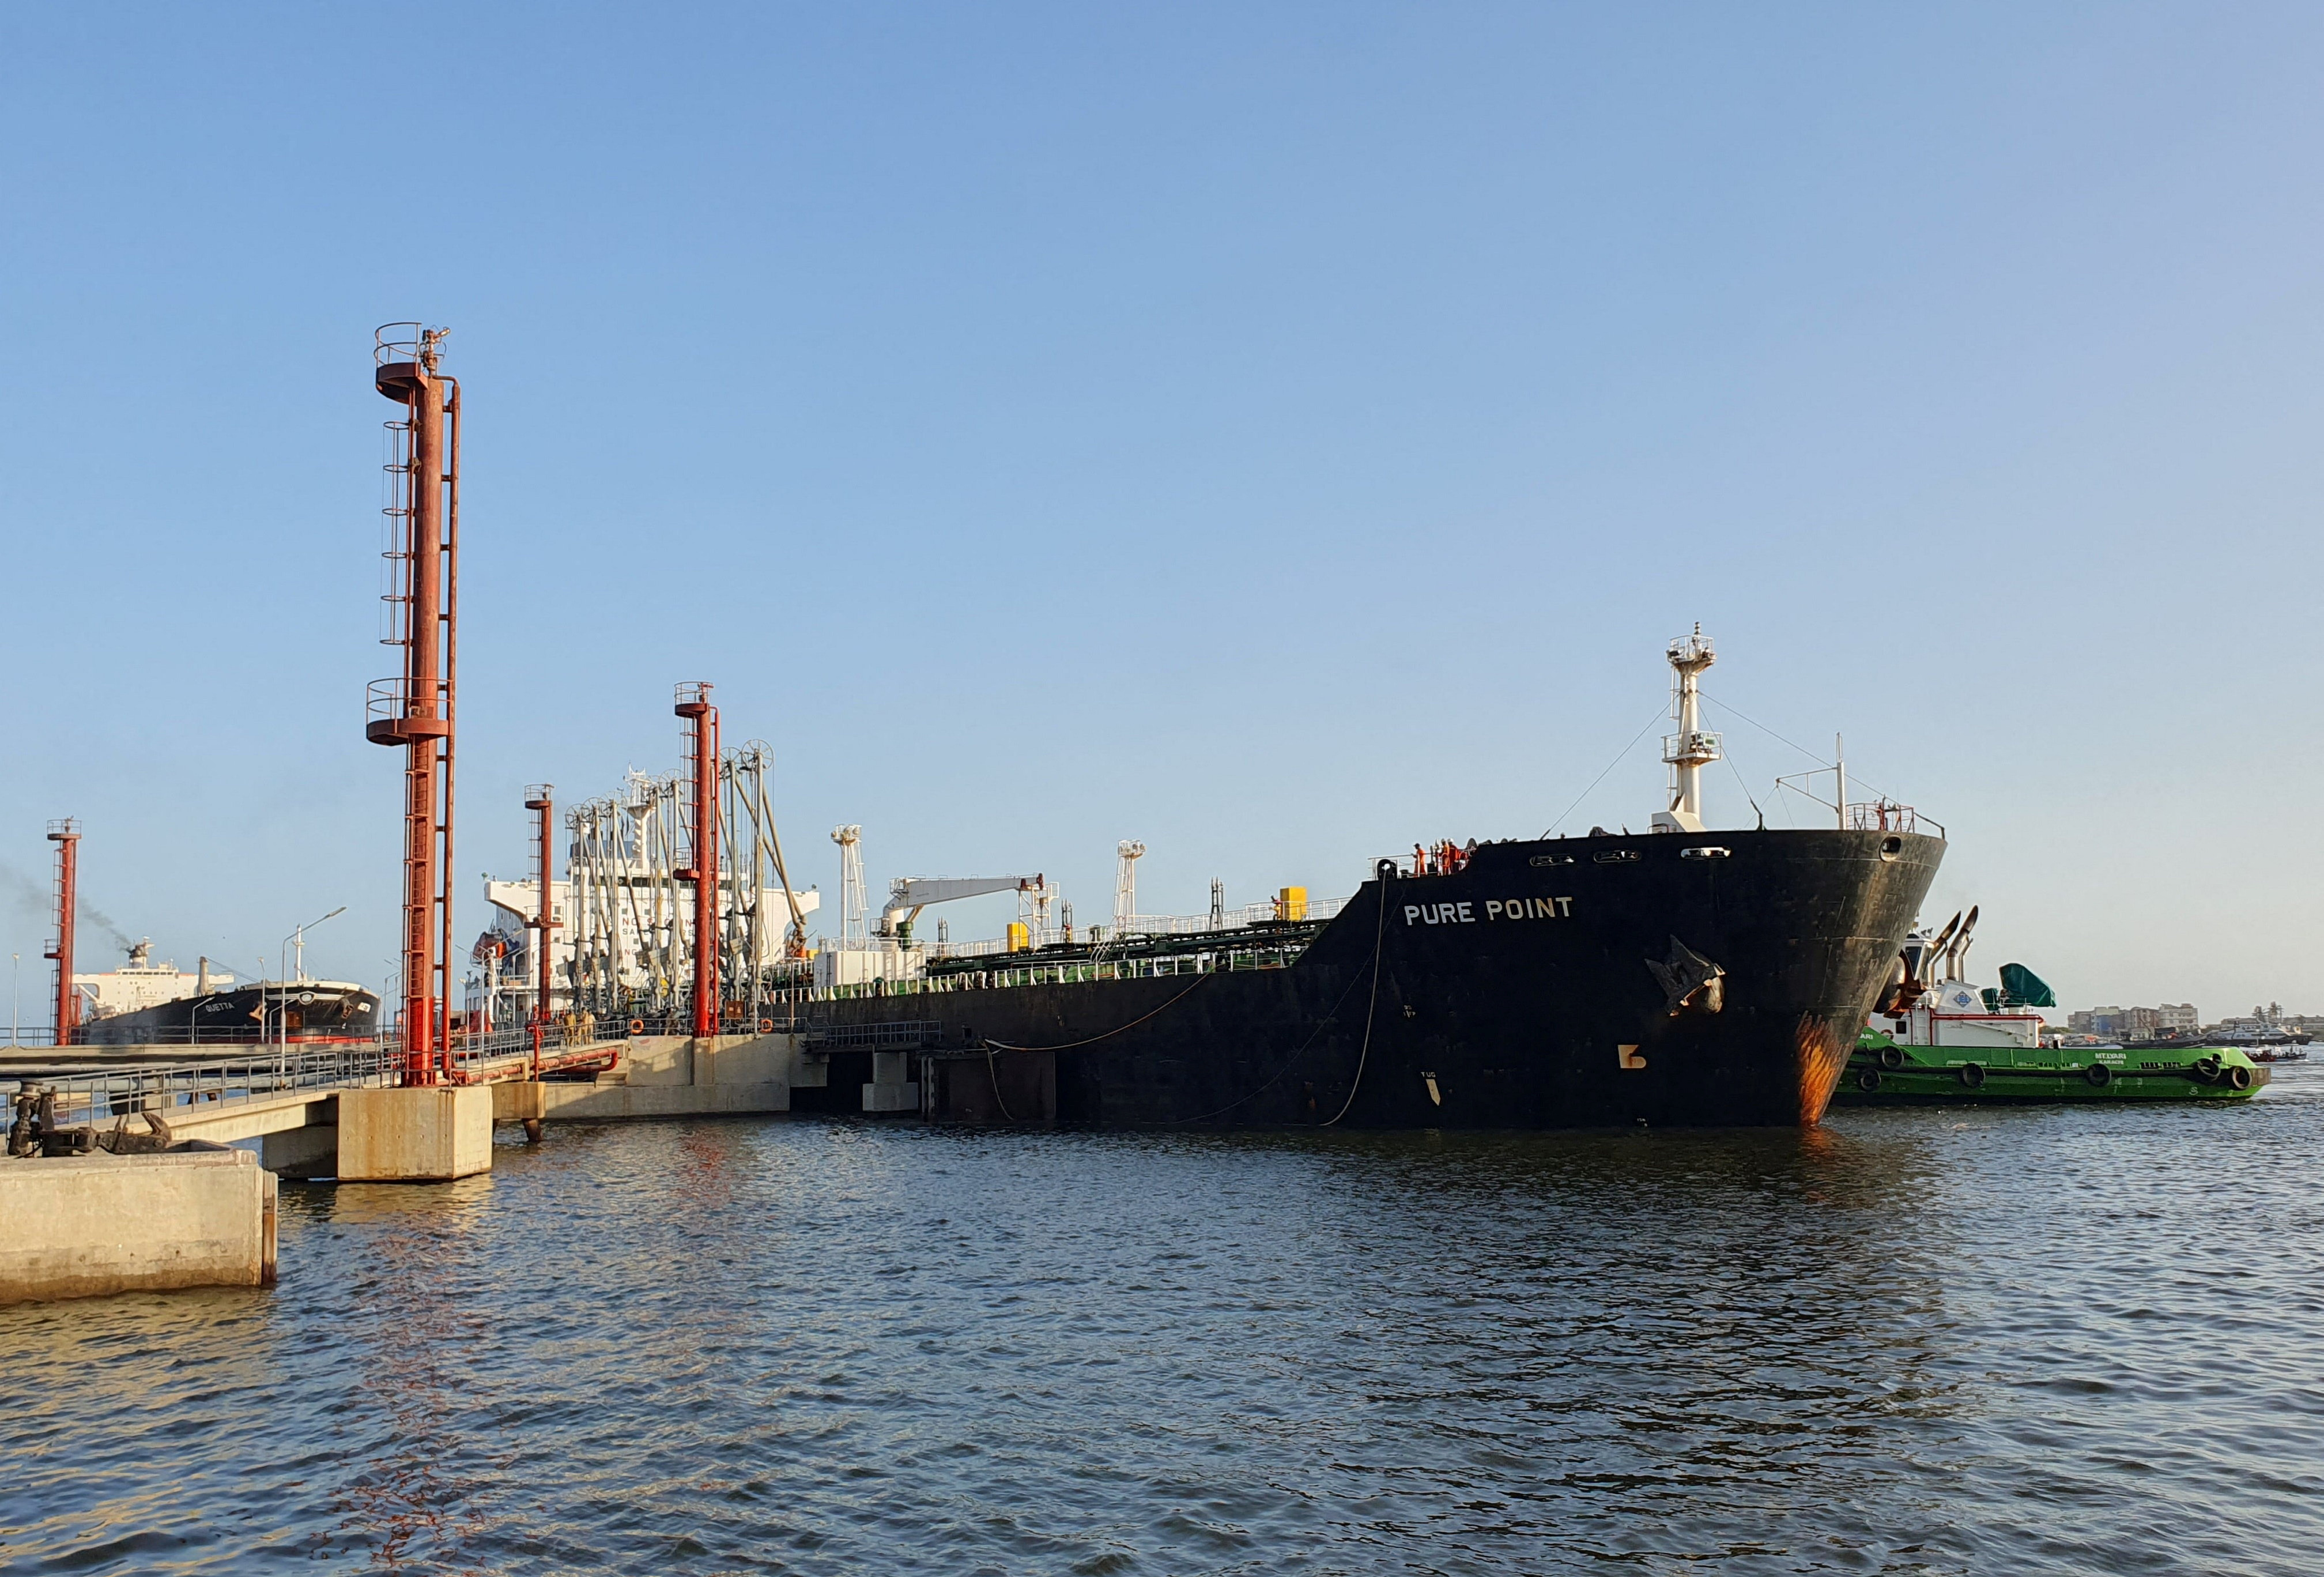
142, 983
1692, 748
1951, 1012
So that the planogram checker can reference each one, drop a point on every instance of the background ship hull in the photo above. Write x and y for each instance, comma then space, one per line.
1481, 1021
232, 1017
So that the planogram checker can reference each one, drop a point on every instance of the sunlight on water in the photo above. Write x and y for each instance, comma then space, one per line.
2041, 1341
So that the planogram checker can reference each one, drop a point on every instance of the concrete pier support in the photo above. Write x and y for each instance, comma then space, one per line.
80, 1226
892, 1088
663, 1075
429, 1134
301, 1152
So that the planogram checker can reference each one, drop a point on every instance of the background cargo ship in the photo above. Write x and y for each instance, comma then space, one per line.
1676, 976
294, 1011
149, 1004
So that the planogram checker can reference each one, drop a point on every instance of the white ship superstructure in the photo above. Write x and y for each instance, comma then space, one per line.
142, 983
1950, 1011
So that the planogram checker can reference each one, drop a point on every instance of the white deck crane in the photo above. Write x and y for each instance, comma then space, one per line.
909, 895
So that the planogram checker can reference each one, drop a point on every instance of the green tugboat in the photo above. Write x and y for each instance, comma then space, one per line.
1954, 1042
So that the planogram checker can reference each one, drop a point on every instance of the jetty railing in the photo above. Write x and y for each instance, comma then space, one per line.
101, 1095
255, 1072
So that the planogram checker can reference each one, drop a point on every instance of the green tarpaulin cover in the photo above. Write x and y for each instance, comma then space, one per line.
2021, 987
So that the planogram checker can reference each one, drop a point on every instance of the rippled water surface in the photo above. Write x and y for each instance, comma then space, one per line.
2038, 1341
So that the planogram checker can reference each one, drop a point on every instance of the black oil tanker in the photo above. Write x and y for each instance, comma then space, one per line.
292, 1011
1680, 976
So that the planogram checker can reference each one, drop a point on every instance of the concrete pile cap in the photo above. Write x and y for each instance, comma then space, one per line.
209, 1155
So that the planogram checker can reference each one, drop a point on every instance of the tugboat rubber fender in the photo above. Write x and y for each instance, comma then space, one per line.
1972, 1075
2098, 1075
2238, 1077
1868, 1080
1892, 1057
2207, 1069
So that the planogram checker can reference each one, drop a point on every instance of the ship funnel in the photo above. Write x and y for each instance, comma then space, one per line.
1957, 956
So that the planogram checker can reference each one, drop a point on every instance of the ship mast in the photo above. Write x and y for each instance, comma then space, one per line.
1692, 748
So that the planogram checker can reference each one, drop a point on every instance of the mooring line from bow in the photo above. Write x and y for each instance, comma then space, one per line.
1379, 936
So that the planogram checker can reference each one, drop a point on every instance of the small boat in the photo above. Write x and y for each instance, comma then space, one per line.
1953, 1042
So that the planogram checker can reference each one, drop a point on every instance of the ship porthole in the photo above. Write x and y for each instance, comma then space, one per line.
1891, 847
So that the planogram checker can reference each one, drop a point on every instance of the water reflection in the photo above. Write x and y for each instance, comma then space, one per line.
2025, 1341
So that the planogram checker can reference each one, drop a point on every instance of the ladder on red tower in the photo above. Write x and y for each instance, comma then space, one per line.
66, 835
701, 819
414, 708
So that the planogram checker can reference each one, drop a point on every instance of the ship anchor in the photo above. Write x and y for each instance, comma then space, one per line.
1686, 975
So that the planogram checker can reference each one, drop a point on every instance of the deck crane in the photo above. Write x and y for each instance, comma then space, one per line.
756, 754
909, 895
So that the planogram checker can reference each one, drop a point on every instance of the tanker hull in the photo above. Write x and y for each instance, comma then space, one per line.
1693, 979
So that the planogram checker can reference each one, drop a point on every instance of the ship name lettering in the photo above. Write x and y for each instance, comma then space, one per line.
1465, 913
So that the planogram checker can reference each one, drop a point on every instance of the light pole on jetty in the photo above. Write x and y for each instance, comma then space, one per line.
414, 708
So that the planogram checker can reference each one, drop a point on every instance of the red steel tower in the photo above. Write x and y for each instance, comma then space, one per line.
414, 708
537, 801
702, 838
66, 835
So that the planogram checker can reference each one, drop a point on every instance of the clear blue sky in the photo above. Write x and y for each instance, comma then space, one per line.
1276, 432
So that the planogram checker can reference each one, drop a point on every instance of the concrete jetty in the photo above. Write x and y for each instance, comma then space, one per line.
78, 1226
201, 1214
365, 1129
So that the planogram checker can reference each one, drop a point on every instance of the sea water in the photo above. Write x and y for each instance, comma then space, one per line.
2048, 1339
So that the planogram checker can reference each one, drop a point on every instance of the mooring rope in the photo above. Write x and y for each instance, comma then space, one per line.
1371, 1007
991, 1047
1379, 934
1288, 1062
1200, 982
994, 1074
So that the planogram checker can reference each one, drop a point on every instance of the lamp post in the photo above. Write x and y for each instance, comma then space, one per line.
297, 937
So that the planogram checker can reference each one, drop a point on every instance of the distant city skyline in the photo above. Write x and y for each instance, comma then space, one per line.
1279, 436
